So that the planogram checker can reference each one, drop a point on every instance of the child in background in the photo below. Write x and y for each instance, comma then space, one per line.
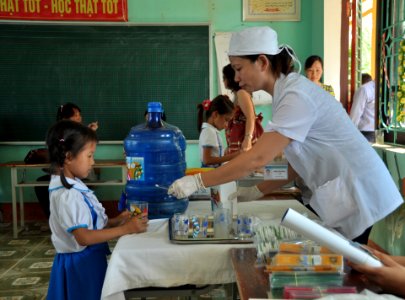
218, 112
80, 228
70, 111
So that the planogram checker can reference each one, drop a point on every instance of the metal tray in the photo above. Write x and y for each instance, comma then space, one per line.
207, 240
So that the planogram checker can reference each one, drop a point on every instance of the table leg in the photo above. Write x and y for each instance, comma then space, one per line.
22, 217
14, 201
124, 174
235, 291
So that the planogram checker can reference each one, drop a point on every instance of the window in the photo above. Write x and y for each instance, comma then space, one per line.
391, 74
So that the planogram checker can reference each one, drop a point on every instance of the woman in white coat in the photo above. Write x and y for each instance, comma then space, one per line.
351, 187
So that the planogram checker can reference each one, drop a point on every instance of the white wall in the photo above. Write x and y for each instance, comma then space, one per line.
331, 55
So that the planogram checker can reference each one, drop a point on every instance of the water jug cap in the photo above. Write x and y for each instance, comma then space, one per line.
155, 107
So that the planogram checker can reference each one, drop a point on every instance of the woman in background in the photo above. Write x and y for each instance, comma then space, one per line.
244, 128
70, 111
314, 71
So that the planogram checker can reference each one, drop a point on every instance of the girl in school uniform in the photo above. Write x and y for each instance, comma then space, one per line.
80, 228
67, 111
351, 187
218, 112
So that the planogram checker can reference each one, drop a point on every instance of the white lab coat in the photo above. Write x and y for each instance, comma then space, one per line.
352, 189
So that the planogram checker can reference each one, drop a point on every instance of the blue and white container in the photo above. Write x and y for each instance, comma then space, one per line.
155, 157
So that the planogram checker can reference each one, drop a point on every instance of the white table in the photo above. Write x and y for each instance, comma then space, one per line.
20, 183
151, 260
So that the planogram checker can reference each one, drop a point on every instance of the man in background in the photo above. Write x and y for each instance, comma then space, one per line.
363, 108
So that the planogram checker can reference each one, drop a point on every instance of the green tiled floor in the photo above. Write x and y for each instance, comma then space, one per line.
26, 262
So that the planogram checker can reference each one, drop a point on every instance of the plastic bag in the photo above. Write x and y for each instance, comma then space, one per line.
37, 156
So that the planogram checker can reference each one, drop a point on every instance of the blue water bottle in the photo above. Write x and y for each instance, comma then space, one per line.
155, 158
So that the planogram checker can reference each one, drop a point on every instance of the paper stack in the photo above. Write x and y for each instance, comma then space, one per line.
304, 263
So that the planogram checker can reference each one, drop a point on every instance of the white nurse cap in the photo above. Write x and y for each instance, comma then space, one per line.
258, 40
254, 40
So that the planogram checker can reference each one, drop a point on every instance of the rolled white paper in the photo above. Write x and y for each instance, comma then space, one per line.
327, 238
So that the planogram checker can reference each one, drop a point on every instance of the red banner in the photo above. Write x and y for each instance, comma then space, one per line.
65, 10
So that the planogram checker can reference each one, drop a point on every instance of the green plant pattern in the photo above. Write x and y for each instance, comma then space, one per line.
401, 83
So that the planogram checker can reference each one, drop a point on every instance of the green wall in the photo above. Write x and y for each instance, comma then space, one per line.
305, 37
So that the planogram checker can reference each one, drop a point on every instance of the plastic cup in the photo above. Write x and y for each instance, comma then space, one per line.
199, 225
180, 225
379, 136
137, 208
245, 226
222, 223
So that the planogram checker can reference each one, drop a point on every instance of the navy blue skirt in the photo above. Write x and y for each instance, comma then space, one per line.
79, 275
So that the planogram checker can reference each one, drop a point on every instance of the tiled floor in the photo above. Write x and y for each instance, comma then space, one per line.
26, 262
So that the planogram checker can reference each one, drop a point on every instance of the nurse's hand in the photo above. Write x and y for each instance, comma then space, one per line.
245, 194
185, 186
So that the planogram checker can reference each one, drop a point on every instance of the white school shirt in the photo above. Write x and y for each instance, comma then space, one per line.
352, 189
363, 108
69, 211
210, 137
